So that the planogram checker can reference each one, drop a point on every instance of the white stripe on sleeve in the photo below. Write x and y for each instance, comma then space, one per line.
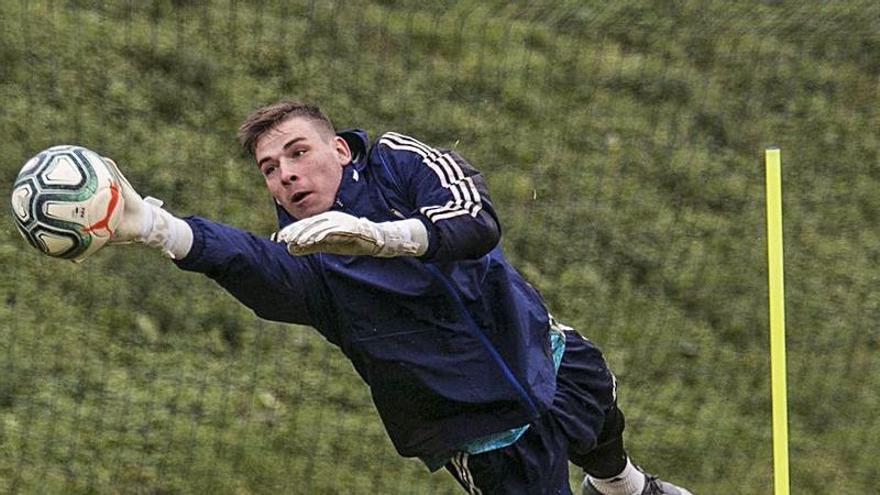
466, 197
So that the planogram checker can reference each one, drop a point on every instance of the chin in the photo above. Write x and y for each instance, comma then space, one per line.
309, 211
303, 214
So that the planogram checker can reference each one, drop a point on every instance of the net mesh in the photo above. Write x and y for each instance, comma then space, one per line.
622, 144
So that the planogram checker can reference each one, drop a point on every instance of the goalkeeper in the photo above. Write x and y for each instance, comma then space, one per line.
390, 250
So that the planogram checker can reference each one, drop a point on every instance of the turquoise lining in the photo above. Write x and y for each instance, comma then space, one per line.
503, 439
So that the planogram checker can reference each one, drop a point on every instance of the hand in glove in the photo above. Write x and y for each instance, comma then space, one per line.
143, 220
340, 233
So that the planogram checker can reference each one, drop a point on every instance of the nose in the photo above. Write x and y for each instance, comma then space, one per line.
288, 172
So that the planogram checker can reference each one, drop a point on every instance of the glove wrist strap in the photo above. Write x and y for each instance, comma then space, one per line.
402, 238
164, 231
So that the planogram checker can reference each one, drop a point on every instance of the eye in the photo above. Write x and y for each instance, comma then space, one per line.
268, 170
298, 153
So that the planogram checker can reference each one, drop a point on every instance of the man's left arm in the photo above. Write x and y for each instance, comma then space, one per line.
450, 213
448, 195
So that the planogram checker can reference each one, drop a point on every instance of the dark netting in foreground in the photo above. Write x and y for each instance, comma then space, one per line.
622, 145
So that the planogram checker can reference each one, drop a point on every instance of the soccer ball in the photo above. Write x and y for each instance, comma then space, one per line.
67, 202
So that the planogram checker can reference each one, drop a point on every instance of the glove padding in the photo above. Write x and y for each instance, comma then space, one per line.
136, 213
340, 233
144, 220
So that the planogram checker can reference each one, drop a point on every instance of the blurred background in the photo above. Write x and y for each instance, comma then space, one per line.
623, 146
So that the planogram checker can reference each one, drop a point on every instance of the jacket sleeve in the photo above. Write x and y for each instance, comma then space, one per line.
256, 271
446, 193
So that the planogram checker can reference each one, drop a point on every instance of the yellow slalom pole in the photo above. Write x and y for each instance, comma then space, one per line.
777, 321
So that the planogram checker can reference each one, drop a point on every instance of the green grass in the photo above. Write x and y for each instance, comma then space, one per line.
622, 145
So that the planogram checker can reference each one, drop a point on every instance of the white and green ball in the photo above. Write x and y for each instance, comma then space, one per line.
67, 202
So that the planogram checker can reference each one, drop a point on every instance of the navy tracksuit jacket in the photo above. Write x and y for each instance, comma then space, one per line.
453, 345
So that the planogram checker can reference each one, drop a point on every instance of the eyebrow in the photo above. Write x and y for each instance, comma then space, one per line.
286, 145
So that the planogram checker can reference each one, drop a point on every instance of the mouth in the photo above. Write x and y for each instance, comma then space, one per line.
296, 198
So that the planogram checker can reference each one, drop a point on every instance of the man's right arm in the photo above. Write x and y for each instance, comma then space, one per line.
256, 271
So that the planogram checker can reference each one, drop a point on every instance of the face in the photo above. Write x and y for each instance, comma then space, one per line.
302, 165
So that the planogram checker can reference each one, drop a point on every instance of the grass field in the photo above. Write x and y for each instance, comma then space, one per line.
622, 144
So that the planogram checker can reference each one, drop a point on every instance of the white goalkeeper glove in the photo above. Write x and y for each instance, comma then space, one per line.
144, 220
340, 233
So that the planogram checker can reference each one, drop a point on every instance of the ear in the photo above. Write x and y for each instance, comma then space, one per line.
343, 152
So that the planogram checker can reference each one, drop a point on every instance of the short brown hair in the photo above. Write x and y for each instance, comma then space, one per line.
266, 118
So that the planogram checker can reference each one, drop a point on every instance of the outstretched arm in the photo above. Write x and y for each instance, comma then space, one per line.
256, 271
